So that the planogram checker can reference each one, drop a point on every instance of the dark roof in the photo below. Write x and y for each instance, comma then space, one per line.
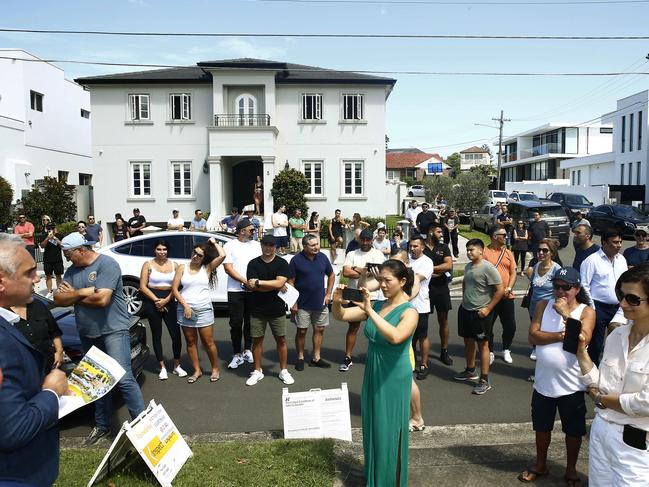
407, 150
286, 73
474, 149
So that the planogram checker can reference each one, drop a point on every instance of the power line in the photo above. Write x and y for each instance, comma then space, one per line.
461, 3
322, 70
329, 36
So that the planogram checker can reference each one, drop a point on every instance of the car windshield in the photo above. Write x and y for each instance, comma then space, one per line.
629, 212
547, 212
576, 199
499, 194
527, 197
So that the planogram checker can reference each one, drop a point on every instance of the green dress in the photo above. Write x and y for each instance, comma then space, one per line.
385, 403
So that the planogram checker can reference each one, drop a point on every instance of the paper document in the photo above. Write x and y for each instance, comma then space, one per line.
290, 296
94, 377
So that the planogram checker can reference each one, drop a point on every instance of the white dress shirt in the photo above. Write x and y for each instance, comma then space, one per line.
626, 374
598, 278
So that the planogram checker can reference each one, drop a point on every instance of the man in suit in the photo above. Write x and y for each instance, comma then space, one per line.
29, 395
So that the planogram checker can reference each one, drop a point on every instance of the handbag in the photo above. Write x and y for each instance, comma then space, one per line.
525, 302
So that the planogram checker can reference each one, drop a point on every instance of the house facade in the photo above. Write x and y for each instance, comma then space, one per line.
44, 124
200, 136
474, 156
412, 163
544, 152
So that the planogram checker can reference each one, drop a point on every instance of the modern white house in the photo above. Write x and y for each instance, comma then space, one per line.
545, 152
474, 156
44, 124
624, 167
199, 136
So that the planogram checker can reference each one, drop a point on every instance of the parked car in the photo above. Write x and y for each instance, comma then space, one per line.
572, 203
624, 218
72, 343
416, 190
132, 253
483, 218
497, 196
551, 212
522, 196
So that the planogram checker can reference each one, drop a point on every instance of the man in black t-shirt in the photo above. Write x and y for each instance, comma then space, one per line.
537, 231
425, 220
267, 275
438, 291
136, 223
50, 242
505, 220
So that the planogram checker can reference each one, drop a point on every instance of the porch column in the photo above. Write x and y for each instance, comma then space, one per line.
269, 175
217, 206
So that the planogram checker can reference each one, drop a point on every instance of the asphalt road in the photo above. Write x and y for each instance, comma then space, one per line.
230, 406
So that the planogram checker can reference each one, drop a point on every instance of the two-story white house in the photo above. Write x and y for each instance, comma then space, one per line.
44, 123
474, 156
200, 136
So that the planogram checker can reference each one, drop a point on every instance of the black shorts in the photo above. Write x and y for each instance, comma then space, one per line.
422, 326
470, 325
55, 268
572, 412
282, 241
440, 298
335, 239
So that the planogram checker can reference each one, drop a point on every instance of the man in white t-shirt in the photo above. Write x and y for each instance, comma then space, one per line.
175, 222
238, 253
412, 211
279, 220
422, 266
354, 267
381, 243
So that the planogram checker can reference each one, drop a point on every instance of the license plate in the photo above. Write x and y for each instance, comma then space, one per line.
135, 351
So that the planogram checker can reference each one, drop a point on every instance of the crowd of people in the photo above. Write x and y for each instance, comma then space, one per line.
589, 325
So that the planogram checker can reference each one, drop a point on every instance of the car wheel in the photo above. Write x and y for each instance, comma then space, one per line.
410, 194
131, 291
486, 229
471, 225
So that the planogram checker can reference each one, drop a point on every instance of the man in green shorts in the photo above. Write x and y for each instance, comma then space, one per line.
267, 275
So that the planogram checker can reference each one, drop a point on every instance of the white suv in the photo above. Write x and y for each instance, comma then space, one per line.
496, 196
416, 190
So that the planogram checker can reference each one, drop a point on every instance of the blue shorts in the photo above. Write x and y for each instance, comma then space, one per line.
200, 317
282, 241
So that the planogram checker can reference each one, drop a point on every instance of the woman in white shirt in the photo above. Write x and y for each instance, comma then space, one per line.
620, 389
557, 384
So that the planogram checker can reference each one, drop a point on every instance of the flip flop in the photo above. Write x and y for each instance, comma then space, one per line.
193, 378
215, 377
414, 427
531, 473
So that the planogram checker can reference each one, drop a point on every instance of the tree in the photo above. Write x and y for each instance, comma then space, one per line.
438, 185
484, 169
6, 197
488, 149
470, 190
289, 188
454, 161
53, 197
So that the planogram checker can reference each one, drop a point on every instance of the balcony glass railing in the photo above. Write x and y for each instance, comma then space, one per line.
539, 150
228, 120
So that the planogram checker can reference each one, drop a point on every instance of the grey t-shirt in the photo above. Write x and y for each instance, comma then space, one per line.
92, 232
103, 273
479, 285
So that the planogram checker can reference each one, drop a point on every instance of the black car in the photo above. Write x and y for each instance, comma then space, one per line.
551, 212
627, 219
72, 343
572, 203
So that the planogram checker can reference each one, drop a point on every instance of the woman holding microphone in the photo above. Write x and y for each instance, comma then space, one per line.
620, 390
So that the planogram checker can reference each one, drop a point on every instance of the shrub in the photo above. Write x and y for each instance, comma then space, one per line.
289, 188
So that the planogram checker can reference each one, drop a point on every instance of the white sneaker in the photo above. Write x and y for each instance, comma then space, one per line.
247, 356
255, 376
491, 358
236, 361
286, 377
180, 372
507, 356
50, 295
533, 354
163, 374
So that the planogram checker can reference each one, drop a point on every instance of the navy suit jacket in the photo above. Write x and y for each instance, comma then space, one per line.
29, 435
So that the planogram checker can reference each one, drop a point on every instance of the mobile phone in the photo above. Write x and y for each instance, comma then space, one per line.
372, 265
571, 337
634, 437
350, 294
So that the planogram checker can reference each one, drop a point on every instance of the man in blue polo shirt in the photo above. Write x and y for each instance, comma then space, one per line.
307, 271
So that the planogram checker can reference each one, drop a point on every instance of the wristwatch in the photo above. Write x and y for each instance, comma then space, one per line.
257, 283
598, 401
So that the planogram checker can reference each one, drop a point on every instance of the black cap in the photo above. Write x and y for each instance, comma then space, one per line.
243, 223
269, 240
569, 275
366, 235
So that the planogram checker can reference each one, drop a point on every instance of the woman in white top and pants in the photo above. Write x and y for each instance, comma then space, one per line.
557, 384
195, 312
620, 389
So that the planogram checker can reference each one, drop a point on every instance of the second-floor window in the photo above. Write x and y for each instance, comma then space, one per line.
139, 107
313, 174
353, 107
181, 178
311, 106
180, 106
36, 100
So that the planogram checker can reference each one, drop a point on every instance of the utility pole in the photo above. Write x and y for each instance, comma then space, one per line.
501, 121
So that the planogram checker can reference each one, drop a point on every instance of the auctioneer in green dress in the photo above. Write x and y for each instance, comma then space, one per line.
385, 403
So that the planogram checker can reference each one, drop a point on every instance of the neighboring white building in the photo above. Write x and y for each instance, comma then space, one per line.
44, 123
624, 168
474, 156
197, 137
544, 152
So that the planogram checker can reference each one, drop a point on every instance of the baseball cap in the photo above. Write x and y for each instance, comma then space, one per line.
243, 223
366, 235
380, 225
269, 240
75, 240
569, 275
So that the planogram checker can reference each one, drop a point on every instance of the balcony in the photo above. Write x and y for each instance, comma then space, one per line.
540, 150
235, 120
510, 157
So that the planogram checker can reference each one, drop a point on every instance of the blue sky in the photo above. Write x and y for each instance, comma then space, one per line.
432, 112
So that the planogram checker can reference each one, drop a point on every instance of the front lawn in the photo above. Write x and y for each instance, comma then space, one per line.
467, 233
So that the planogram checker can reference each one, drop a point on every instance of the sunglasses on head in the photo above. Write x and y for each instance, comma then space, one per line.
632, 299
564, 287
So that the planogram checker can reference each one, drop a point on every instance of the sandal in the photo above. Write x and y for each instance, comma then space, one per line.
215, 376
193, 378
530, 475
413, 427
573, 481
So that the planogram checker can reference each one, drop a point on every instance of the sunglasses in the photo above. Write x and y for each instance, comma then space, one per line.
500, 234
543, 251
564, 287
632, 299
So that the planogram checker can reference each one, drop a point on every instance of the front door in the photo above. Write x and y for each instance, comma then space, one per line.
244, 176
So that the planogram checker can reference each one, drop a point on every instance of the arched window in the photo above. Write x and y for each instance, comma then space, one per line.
246, 108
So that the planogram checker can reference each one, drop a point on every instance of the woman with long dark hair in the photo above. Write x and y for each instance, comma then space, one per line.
313, 227
195, 313
520, 245
385, 397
